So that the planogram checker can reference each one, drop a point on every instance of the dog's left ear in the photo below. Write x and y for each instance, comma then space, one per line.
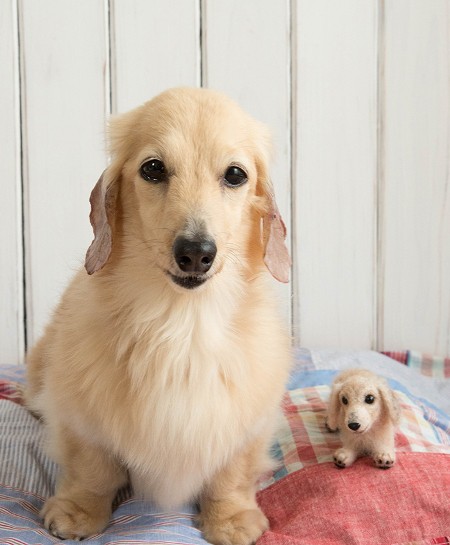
103, 207
390, 402
276, 254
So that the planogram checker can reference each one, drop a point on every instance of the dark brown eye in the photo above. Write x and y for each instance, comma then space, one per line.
235, 177
369, 399
344, 400
153, 171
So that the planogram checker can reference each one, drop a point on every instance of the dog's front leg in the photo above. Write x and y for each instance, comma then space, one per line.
229, 514
344, 457
89, 482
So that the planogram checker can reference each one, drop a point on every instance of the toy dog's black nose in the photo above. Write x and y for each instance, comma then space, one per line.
354, 426
194, 256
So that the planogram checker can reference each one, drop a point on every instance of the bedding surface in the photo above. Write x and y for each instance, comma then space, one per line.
307, 499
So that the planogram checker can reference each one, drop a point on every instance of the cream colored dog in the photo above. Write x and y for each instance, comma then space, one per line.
366, 412
165, 359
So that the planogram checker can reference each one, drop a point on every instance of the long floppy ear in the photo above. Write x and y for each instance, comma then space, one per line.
276, 254
334, 407
390, 402
102, 216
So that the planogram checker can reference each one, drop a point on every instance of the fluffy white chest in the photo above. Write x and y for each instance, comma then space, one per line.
190, 428
191, 380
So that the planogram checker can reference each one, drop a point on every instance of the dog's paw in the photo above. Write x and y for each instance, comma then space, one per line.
243, 528
64, 519
344, 457
384, 460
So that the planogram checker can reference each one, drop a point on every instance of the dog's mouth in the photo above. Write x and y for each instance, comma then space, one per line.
189, 282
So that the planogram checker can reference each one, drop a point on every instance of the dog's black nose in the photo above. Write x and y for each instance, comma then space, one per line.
194, 256
354, 426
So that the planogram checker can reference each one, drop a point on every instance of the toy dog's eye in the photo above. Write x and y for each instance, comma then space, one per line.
345, 400
369, 399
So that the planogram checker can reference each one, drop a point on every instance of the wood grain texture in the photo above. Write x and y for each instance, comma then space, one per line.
64, 87
356, 94
247, 56
416, 231
155, 45
11, 269
335, 204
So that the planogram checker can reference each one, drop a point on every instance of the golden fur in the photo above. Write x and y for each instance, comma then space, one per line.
136, 375
366, 412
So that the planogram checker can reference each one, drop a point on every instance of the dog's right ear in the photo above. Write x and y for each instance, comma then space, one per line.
334, 407
103, 208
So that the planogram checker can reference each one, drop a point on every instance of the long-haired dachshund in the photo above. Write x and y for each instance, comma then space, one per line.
165, 359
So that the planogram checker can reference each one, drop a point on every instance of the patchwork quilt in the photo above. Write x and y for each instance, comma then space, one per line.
307, 499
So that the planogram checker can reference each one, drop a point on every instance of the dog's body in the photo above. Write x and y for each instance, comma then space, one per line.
170, 363
365, 411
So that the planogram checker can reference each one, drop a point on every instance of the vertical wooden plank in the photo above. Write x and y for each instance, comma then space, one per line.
11, 270
247, 56
335, 209
64, 77
155, 45
417, 192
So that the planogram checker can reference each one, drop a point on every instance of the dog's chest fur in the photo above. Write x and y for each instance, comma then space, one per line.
191, 394
195, 409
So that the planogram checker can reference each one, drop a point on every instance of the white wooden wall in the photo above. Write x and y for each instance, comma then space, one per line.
356, 92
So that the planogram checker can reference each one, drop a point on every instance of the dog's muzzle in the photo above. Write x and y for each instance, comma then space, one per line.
194, 258
354, 426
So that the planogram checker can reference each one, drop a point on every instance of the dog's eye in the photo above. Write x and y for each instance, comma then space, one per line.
153, 171
369, 399
235, 177
344, 400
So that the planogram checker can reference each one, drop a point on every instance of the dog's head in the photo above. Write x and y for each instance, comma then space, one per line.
358, 400
188, 187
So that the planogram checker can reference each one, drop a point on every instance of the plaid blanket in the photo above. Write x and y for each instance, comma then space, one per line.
310, 502
429, 366
307, 500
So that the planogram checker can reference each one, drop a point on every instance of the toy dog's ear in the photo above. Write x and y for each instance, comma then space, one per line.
390, 402
334, 407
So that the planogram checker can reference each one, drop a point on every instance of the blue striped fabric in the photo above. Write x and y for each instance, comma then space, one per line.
133, 522
27, 478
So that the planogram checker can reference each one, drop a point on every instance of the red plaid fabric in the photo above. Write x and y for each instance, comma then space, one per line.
401, 357
361, 505
12, 391
430, 366
304, 440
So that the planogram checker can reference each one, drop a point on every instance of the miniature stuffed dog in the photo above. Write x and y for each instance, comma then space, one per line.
366, 412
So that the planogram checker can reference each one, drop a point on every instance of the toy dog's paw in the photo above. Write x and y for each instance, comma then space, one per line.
344, 458
384, 460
